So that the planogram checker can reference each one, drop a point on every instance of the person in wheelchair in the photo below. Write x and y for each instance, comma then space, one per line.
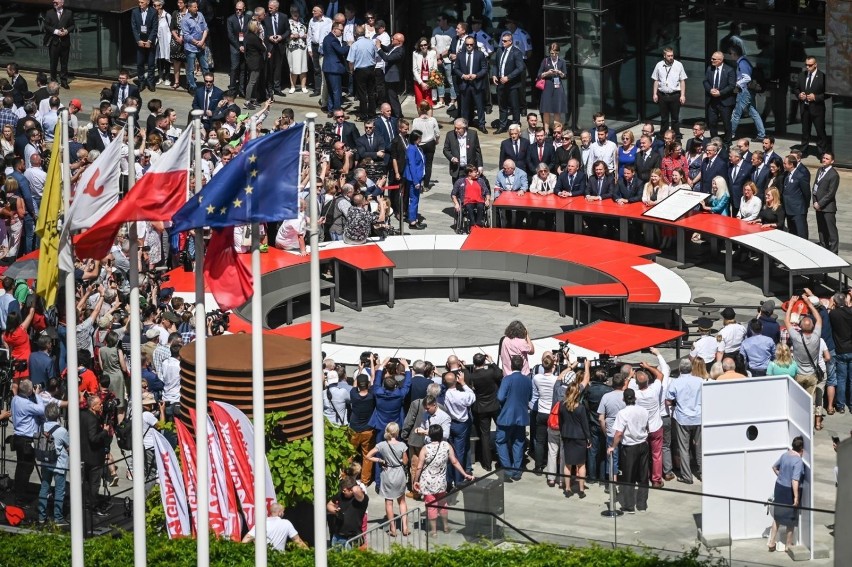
471, 196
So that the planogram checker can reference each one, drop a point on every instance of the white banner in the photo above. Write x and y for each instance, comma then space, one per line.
172, 490
224, 487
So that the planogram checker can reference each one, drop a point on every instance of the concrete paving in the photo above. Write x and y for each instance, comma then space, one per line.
423, 317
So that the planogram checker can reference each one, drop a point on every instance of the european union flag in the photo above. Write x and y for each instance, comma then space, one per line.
261, 184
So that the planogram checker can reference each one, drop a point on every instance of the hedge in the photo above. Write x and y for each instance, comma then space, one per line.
51, 550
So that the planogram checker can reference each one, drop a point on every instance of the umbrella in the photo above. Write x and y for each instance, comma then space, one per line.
23, 270
14, 514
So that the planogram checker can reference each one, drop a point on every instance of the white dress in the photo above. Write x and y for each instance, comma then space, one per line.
297, 49
164, 36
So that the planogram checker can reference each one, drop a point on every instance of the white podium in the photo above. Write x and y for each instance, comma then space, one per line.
746, 425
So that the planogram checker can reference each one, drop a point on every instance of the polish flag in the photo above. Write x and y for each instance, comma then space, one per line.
157, 196
96, 194
228, 278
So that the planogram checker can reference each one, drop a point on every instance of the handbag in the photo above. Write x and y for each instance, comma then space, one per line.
553, 418
539, 84
817, 370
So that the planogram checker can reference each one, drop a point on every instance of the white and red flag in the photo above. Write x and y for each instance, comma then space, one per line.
186, 446
155, 197
172, 491
237, 464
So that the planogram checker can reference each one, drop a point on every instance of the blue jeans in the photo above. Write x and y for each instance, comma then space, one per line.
190, 66
340, 542
28, 237
460, 440
614, 471
746, 102
58, 478
335, 90
448, 74
510, 448
597, 454
413, 202
843, 368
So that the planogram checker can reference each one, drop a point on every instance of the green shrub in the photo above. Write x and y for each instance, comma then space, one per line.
42, 550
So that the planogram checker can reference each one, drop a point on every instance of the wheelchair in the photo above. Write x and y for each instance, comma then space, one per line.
463, 223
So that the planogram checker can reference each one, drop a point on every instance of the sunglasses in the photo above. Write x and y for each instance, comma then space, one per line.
338, 116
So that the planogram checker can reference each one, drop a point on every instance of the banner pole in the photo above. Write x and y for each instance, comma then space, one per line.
202, 457
75, 476
317, 421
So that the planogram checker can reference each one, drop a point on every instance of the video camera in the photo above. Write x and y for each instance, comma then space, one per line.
219, 321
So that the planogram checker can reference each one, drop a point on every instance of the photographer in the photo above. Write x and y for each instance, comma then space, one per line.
95, 439
27, 412
458, 399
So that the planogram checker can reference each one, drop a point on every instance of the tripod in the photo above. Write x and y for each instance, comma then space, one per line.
5, 404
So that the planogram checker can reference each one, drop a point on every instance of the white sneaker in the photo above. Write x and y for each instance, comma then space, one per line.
304, 90
167, 83
439, 105
292, 90
159, 81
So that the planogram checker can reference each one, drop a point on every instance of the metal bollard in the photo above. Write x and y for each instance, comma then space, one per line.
612, 512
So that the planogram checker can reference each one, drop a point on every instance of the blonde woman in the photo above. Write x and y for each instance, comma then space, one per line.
750, 203
654, 192
699, 368
576, 438
772, 213
7, 140
392, 456
720, 199
14, 222
783, 365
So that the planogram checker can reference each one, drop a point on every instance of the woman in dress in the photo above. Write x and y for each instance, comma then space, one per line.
776, 174
392, 456
554, 98
428, 126
164, 42
114, 367
674, 159
772, 213
297, 51
693, 160
423, 62
789, 468
430, 476
576, 438
176, 52
720, 198
627, 152
14, 215
415, 169
653, 192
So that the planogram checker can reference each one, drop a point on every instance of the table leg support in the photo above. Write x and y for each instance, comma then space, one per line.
358, 291
513, 294
391, 288
560, 221
729, 260
767, 265
681, 247
623, 229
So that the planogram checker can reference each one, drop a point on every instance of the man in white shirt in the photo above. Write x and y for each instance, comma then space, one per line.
318, 27
708, 346
458, 400
650, 396
732, 334
433, 416
669, 90
37, 178
171, 382
278, 530
604, 150
631, 434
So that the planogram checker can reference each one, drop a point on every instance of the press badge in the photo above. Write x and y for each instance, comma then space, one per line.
144, 29
242, 37
557, 82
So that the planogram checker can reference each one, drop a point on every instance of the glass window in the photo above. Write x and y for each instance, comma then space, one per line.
557, 28
588, 95
587, 37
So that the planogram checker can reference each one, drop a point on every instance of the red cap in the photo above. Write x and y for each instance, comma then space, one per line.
76, 102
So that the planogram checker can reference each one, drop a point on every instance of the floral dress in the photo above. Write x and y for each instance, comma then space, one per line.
433, 478
176, 49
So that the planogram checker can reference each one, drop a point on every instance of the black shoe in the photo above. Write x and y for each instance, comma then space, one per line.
417, 226
313, 94
757, 139
684, 480
250, 105
501, 131
61, 523
152, 87
483, 129
629, 510
538, 471
279, 92
100, 513
65, 85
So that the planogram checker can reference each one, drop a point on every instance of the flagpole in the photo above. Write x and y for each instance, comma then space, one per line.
75, 477
202, 492
138, 450
257, 391
317, 421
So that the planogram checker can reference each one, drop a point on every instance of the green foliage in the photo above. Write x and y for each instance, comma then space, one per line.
155, 514
43, 550
291, 463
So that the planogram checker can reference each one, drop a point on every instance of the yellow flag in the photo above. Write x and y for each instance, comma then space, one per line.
46, 226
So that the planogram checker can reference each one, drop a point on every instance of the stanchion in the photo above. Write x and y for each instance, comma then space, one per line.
612, 512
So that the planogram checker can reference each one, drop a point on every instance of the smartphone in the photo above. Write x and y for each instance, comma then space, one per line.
835, 439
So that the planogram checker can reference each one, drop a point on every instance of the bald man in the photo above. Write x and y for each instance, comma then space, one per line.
392, 56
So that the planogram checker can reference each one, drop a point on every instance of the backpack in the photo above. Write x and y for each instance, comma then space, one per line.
124, 434
45, 446
553, 418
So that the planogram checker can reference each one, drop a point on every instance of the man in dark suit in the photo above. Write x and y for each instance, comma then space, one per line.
646, 159
509, 76
371, 144
514, 396
345, 131
600, 187
17, 82
58, 24
698, 137
334, 64
825, 202
462, 137
712, 166
123, 89
628, 189
95, 440
237, 27
398, 160
207, 100
759, 173
810, 90
796, 195
744, 146
225, 105
276, 30
470, 71
392, 55
143, 21
739, 172
98, 138
541, 152
386, 125
719, 83
572, 182
515, 148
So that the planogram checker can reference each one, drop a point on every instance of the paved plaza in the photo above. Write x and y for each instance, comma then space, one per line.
423, 317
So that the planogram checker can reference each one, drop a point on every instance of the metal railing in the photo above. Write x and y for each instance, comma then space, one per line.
378, 537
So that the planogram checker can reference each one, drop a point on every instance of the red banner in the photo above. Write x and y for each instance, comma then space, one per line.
217, 508
186, 446
237, 462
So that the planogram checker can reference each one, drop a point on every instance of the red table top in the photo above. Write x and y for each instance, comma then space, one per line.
366, 257
615, 339
595, 290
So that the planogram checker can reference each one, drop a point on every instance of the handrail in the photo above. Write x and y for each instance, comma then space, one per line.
378, 534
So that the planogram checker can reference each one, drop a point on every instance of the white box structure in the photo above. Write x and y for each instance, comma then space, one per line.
746, 425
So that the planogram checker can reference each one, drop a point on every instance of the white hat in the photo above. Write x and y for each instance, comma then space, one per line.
331, 377
814, 299
152, 333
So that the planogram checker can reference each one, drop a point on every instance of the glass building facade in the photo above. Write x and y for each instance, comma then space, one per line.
611, 47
